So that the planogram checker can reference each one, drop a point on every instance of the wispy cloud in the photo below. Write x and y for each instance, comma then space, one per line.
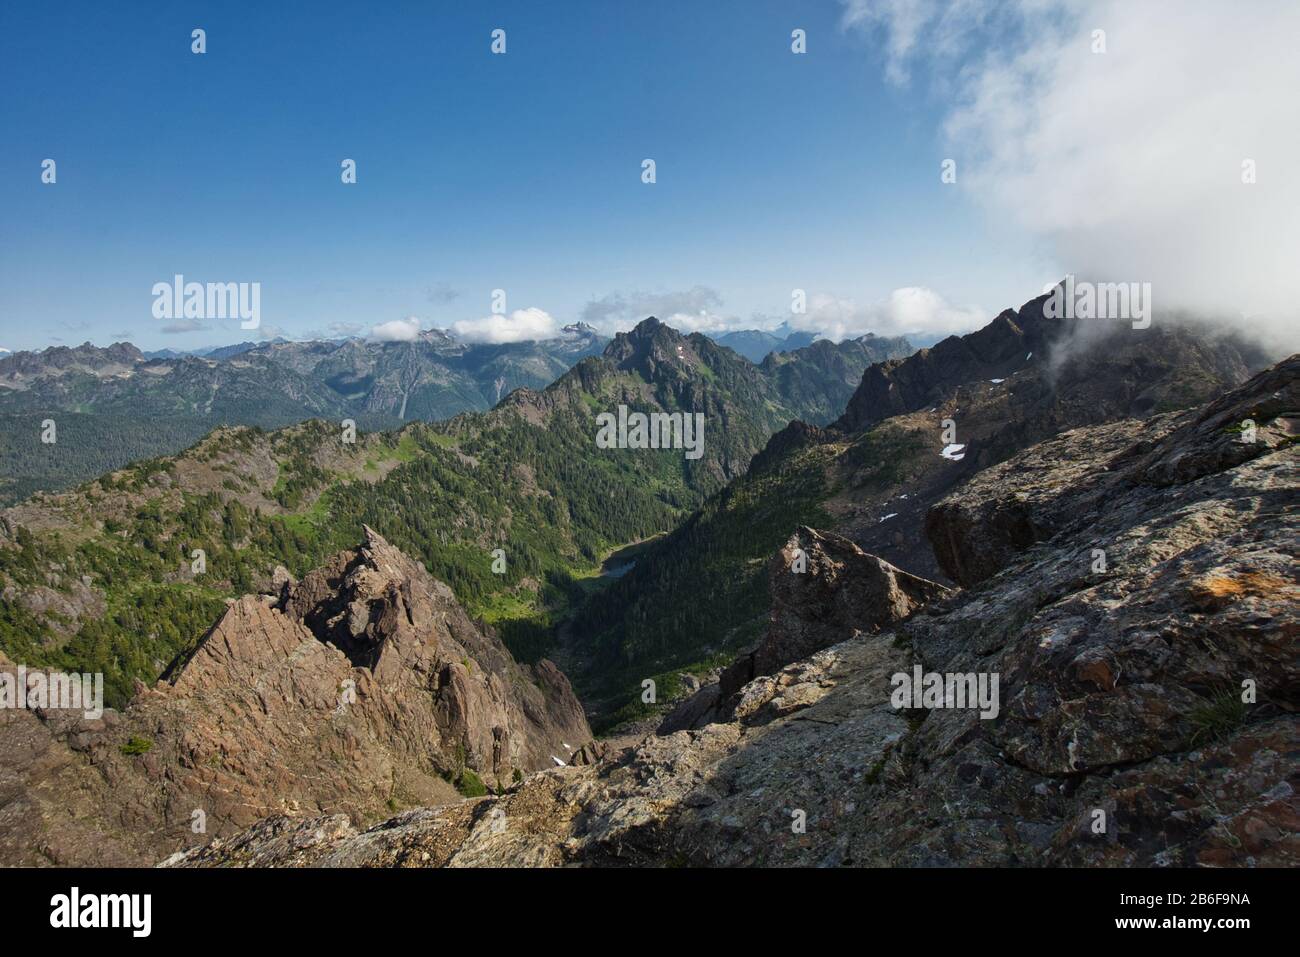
267, 332
185, 325
441, 293
694, 309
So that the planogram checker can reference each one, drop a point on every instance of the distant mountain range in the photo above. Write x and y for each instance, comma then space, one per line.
434, 376
116, 404
755, 344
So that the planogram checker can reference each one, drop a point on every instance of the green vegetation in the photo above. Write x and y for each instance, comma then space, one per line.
470, 785
873, 774
1218, 717
136, 745
87, 445
668, 689
547, 496
701, 591
881, 457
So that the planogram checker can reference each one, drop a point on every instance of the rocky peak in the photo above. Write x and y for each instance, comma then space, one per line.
356, 601
825, 590
55, 360
361, 687
1059, 372
898, 386
648, 347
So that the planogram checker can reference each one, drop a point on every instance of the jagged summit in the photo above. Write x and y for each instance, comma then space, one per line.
647, 346
362, 687
1102, 365
17, 369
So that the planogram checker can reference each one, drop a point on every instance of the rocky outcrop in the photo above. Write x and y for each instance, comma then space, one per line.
1146, 705
824, 590
362, 688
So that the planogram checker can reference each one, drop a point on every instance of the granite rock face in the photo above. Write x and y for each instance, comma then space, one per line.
362, 688
1147, 701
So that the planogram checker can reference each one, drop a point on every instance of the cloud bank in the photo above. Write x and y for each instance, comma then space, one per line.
906, 310
522, 325
398, 330
1129, 163
909, 310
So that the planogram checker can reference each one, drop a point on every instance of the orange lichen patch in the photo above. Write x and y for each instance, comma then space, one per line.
1220, 590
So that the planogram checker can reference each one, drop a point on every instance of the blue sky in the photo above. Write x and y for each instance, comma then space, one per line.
775, 171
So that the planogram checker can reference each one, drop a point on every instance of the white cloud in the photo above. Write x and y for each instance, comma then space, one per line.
908, 310
703, 321
522, 325
1127, 163
398, 330
902, 22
